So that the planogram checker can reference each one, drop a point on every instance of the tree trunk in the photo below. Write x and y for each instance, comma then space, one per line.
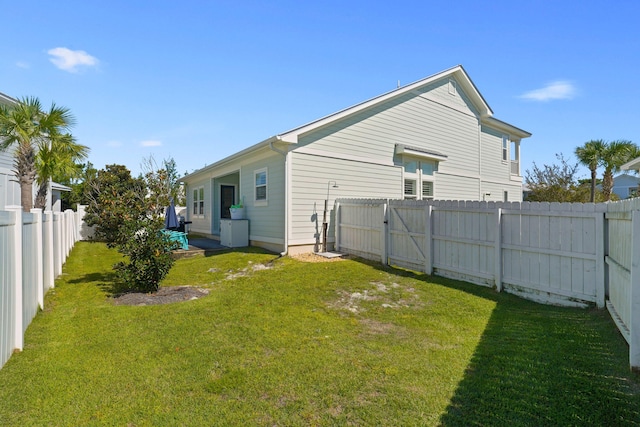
607, 185
41, 196
593, 185
26, 174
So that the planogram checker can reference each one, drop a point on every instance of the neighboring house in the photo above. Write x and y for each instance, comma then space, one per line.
435, 138
9, 186
625, 186
54, 196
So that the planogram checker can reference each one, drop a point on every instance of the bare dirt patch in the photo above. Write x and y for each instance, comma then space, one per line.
311, 257
393, 296
166, 295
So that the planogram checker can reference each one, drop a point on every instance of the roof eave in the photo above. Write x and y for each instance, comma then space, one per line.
631, 165
6, 99
262, 144
506, 127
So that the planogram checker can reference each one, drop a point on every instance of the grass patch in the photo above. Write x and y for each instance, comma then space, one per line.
342, 343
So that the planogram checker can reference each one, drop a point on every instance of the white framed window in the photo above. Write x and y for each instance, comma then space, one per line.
260, 187
505, 148
198, 201
410, 189
419, 178
427, 190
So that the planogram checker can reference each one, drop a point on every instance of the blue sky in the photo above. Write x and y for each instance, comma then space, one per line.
199, 80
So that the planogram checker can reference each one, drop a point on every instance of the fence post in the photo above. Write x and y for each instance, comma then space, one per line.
40, 254
337, 226
384, 229
498, 250
48, 250
16, 250
57, 244
600, 255
634, 324
428, 249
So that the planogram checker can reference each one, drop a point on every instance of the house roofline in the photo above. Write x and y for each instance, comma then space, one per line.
262, 144
500, 125
6, 99
631, 165
291, 136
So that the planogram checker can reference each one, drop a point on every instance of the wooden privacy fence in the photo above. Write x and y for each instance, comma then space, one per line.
557, 253
33, 248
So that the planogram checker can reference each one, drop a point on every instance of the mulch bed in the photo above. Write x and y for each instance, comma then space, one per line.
166, 295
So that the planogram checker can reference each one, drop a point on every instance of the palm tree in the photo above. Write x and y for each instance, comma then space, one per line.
57, 160
615, 155
30, 129
590, 155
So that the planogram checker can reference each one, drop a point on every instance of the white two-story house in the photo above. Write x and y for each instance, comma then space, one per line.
435, 138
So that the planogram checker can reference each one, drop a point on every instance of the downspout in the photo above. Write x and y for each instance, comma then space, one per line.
286, 194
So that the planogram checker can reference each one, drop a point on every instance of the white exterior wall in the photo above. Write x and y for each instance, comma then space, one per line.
9, 187
431, 119
200, 223
311, 177
266, 222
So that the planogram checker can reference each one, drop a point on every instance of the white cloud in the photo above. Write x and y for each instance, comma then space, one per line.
114, 144
555, 90
22, 64
151, 143
70, 60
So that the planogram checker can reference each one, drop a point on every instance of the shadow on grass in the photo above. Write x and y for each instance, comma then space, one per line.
107, 282
542, 365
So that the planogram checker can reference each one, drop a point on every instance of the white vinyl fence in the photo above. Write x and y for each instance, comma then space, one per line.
569, 253
33, 248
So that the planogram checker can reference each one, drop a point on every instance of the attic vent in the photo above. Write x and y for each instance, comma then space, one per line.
452, 87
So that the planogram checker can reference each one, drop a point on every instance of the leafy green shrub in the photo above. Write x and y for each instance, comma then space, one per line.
149, 253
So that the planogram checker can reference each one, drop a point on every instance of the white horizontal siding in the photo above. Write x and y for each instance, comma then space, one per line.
455, 187
493, 168
311, 177
410, 120
201, 224
6, 159
265, 221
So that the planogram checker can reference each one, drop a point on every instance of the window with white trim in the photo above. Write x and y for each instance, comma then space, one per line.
260, 190
410, 189
419, 178
198, 201
505, 148
427, 190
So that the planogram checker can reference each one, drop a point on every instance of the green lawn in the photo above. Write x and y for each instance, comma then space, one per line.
340, 343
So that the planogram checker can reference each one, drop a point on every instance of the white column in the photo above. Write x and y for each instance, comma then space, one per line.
498, 250
48, 250
16, 250
40, 254
634, 324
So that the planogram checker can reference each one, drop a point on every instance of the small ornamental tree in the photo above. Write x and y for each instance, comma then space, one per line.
127, 215
557, 183
149, 253
114, 198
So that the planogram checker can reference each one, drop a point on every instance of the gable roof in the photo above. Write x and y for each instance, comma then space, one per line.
6, 99
458, 72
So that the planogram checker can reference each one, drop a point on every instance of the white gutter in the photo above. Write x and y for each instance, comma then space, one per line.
287, 188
